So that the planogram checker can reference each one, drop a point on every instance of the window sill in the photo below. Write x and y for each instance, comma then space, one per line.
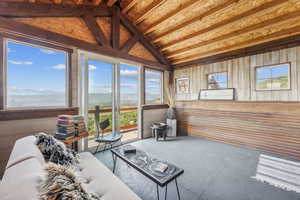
36, 113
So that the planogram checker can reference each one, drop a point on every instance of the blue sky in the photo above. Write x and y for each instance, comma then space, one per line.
35, 68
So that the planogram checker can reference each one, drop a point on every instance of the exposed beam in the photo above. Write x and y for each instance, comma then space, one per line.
96, 2
95, 29
225, 22
129, 44
195, 19
38, 33
111, 2
243, 44
134, 30
170, 15
115, 28
21, 9
274, 45
31, 1
235, 33
148, 10
129, 6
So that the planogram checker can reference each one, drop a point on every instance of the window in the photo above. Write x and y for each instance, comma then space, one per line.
275, 77
35, 76
217, 80
153, 87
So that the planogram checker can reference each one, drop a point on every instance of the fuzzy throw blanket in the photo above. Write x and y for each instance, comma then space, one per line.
56, 151
62, 183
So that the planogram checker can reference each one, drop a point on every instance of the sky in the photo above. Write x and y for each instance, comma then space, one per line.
35, 69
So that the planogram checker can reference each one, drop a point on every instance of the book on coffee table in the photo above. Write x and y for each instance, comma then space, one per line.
129, 149
161, 167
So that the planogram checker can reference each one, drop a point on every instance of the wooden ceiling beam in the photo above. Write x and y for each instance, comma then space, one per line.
129, 6
31, 1
115, 28
95, 29
148, 10
22, 9
62, 40
129, 44
235, 33
288, 42
96, 2
170, 15
243, 44
225, 22
147, 44
195, 19
111, 2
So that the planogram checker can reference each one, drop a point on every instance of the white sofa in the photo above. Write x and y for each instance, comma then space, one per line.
24, 172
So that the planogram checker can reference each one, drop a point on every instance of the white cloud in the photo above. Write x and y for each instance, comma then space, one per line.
20, 62
92, 67
128, 85
47, 51
59, 67
128, 73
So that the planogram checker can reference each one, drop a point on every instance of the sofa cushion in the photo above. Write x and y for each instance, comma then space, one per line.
21, 181
25, 148
101, 181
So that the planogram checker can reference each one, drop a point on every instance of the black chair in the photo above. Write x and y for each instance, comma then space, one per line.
107, 139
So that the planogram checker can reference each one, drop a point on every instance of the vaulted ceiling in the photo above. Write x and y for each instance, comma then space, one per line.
187, 30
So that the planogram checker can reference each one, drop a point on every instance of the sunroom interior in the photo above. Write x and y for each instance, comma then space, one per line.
208, 89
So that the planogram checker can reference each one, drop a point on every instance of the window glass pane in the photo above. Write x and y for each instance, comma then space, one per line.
280, 83
36, 77
217, 80
272, 77
153, 87
280, 71
265, 84
100, 84
263, 73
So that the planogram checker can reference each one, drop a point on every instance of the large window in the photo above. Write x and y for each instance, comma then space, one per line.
275, 77
35, 76
153, 87
217, 80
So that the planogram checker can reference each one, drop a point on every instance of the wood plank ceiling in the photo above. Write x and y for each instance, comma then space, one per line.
187, 30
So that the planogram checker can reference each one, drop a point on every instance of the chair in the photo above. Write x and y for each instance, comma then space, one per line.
107, 139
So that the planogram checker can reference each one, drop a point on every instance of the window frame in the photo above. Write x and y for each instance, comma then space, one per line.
4, 39
273, 65
161, 85
227, 82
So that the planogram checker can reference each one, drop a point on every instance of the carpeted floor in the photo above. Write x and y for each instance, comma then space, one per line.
213, 171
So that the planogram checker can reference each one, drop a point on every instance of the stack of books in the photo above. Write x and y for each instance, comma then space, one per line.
65, 127
79, 125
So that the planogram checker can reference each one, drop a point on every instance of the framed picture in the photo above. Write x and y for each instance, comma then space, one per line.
182, 85
217, 94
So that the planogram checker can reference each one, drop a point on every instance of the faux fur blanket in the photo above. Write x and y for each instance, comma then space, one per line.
56, 151
61, 183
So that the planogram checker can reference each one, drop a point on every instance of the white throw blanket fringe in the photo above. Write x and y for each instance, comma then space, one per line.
281, 173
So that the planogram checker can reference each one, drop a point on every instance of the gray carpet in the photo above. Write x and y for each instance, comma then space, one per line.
213, 171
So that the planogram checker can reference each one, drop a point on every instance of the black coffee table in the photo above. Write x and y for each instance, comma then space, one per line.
145, 164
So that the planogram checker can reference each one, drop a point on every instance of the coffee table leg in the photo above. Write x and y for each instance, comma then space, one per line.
157, 191
166, 192
177, 188
115, 163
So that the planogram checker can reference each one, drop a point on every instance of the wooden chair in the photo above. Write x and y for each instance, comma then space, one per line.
107, 139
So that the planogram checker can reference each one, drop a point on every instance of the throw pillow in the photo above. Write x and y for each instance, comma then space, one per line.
56, 151
62, 183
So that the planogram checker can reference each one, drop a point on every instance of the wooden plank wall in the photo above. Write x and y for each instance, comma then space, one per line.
241, 76
264, 120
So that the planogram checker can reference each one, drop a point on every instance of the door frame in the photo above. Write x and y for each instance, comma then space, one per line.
83, 78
